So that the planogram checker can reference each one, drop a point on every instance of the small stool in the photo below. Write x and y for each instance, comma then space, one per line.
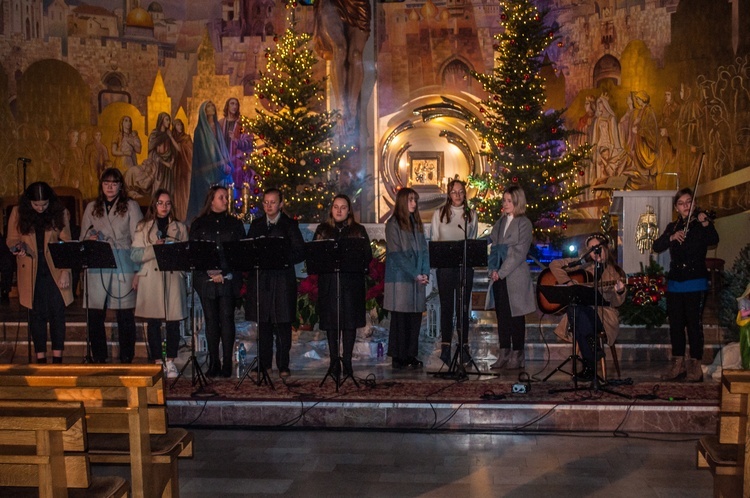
603, 360
715, 267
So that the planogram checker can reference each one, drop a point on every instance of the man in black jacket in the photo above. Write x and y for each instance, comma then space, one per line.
277, 288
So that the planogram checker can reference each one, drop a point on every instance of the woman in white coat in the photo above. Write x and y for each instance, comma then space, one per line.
112, 218
161, 295
511, 278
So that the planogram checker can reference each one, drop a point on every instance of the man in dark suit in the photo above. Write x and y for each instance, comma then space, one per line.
277, 288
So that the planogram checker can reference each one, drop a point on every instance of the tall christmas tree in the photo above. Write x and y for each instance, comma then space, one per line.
523, 144
293, 136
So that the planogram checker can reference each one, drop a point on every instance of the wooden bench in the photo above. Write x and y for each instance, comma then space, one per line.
726, 453
42, 469
126, 420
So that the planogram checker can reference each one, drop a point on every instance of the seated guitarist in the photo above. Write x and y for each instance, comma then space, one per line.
571, 271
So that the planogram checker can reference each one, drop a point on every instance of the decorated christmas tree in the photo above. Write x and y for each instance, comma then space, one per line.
523, 144
293, 134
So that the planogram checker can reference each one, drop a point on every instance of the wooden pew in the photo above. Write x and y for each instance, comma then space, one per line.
42, 469
125, 416
726, 453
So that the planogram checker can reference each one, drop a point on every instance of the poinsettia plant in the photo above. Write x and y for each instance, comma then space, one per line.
375, 282
307, 299
645, 303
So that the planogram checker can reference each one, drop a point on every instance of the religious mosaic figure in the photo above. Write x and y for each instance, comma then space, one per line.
646, 141
96, 158
211, 162
238, 142
157, 171
342, 28
585, 128
608, 155
73, 161
183, 166
126, 146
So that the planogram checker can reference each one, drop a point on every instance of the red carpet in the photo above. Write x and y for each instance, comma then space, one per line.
449, 391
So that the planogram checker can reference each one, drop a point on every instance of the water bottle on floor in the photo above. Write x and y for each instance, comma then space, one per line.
381, 352
242, 353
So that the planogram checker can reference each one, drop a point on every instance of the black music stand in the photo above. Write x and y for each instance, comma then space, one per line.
568, 295
462, 254
346, 255
262, 253
81, 256
192, 256
576, 295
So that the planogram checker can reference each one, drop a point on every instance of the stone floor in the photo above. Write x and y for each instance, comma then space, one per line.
234, 463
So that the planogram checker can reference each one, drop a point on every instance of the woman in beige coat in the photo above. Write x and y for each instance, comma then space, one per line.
160, 295
38, 220
612, 281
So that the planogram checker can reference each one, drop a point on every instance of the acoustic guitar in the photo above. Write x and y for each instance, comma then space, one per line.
580, 277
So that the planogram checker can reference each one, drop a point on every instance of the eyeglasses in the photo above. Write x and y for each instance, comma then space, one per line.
164, 203
458, 192
110, 183
270, 203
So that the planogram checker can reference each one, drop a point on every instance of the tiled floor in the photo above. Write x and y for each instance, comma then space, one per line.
234, 463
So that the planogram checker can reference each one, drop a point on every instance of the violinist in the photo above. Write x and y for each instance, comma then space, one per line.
687, 239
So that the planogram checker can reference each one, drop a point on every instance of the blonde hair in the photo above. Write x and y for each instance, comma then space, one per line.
518, 197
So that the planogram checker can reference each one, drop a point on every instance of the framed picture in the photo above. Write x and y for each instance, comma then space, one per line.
425, 168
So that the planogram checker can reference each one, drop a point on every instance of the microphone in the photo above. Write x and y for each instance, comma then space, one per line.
467, 212
24, 159
597, 249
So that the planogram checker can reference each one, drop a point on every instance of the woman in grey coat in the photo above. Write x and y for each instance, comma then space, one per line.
511, 239
407, 268
112, 218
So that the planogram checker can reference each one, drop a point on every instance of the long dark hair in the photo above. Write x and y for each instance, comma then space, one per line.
327, 227
604, 242
121, 201
401, 210
150, 217
52, 218
206, 209
445, 211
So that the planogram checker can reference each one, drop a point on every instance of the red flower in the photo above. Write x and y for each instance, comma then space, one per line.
309, 286
375, 291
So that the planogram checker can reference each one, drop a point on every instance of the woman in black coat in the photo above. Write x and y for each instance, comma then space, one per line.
219, 288
348, 313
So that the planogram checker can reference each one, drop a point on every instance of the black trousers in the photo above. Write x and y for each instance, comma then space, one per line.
685, 312
586, 323
449, 282
348, 337
283, 333
154, 338
125, 333
403, 337
219, 315
48, 308
511, 330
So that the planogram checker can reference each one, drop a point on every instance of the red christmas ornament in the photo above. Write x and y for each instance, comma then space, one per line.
552, 179
526, 77
513, 42
515, 179
495, 98
260, 96
262, 136
503, 17
527, 107
281, 90
564, 226
311, 128
551, 34
536, 17
267, 173
265, 152
316, 160
256, 191
553, 130
481, 109
275, 38
560, 44
287, 142
507, 79
268, 55
581, 172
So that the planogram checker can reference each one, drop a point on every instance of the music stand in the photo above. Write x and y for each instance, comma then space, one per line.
262, 253
192, 256
576, 295
82, 256
346, 255
462, 254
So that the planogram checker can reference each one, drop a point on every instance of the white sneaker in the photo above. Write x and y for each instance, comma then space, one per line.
171, 369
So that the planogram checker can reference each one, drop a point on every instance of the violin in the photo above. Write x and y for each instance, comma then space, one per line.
685, 224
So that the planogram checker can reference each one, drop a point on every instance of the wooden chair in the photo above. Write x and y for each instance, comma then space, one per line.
613, 351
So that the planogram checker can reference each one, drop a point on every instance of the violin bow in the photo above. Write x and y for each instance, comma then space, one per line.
695, 194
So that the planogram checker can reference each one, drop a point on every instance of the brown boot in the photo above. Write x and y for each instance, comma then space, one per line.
694, 371
502, 359
676, 372
516, 360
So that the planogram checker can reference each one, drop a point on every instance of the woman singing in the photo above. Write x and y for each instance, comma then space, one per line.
407, 268
112, 218
218, 288
161, 295
343, 309
512, 288
599, 263
687, 282
38, 220
454, 221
